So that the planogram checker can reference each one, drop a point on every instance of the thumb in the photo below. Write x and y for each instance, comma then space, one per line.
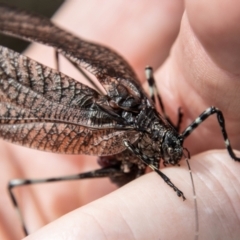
202, 71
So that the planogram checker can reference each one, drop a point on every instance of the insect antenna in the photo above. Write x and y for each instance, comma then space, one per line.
153, 89
221, 121
194, 194
154, 94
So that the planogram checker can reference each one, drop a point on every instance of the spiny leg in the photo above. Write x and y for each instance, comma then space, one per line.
103, 172
154, 92
207, 113
153, 167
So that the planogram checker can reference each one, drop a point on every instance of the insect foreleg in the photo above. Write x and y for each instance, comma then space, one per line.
154, 92
154, 165
207, 113
103, 172
168, 181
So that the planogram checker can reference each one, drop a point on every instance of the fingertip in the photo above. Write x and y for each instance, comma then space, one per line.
142, 209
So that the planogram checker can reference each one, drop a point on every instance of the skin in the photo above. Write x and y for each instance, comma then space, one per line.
202, 70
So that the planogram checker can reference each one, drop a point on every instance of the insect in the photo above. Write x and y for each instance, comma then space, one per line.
122, 126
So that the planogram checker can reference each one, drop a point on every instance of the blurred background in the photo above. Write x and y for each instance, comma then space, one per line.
43, 7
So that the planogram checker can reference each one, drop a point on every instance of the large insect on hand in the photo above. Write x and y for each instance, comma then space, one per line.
44, 109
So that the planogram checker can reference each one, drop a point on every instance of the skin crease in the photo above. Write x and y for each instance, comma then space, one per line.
194, 76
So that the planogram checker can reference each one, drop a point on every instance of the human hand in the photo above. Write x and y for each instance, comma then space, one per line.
194, 77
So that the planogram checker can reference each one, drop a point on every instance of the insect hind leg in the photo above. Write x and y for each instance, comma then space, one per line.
207, 113
57, 61
91, 81
154, 92
99, 173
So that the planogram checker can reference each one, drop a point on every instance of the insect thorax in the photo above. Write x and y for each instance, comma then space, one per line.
157, 140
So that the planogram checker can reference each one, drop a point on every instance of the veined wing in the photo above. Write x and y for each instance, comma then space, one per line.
113, 72
61, 137
44, 109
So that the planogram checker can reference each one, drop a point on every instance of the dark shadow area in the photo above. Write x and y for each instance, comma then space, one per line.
44, 7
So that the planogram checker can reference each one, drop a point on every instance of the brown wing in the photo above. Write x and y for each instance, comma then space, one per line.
113, 72
44, 109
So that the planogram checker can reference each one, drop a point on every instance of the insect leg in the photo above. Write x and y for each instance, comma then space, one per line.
148, 162
168, 181
95, 86
103, 172
56, 55
154, 92
207, 113
86, 76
